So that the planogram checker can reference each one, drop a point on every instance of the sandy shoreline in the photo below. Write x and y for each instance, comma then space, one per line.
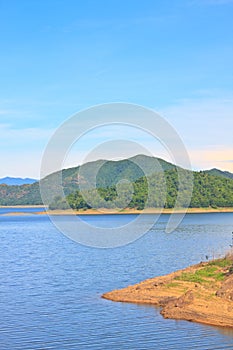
110, 212
186, 294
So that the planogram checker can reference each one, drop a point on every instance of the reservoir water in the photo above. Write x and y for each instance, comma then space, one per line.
50, 286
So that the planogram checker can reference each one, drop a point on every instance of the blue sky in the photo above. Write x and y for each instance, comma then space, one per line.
59, 57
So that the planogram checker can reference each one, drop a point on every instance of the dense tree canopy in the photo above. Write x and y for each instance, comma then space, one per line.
159, 190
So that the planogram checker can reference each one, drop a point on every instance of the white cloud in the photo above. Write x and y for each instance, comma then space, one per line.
24, 136
205, 125
21, 150
218, 156
202, 122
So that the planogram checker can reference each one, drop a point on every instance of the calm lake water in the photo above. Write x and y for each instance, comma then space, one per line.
50, 286
21, 210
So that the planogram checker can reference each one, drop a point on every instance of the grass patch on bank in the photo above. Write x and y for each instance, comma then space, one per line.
202, 275
221, 262
190, 277
172, 285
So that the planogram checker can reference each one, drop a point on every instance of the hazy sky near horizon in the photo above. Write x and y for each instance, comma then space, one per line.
60, 57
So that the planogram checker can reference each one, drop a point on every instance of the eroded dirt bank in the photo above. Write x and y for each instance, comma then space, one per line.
200, 293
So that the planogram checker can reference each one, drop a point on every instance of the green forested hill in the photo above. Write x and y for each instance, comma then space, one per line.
20, 195
212, 188
208, 191
110, 172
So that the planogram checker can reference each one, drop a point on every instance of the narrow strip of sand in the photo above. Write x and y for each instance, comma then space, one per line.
103, 211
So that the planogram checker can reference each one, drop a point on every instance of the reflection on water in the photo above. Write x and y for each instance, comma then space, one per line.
226, 331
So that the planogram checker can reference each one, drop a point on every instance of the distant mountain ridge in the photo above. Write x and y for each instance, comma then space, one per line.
217, 172
13, 181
